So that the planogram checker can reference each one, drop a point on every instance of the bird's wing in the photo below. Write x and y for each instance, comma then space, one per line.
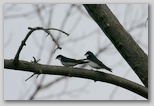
65, 59
82, 61
94, 59
70, 60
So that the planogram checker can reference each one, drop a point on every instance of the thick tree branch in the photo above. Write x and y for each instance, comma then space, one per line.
121, 39
77, 72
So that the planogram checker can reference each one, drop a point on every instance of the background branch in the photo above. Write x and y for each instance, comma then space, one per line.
41, 87
78, 72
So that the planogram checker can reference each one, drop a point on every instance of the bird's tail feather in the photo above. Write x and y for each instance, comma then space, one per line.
82, 61
109, 69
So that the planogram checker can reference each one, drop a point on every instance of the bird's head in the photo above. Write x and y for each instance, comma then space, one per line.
59, 57
89, 54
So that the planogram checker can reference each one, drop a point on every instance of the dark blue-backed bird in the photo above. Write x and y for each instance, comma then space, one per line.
69, 62
94, 62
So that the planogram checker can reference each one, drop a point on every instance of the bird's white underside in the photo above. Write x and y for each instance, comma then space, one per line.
94, 65
68, 64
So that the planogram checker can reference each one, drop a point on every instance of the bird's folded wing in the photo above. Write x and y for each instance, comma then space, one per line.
94, 59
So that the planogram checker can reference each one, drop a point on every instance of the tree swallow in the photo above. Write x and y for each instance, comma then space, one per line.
94, 62
68, 62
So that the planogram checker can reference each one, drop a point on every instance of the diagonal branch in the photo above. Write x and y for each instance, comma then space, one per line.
77, 72
122, 40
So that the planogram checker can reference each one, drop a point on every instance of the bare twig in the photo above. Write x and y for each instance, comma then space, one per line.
48, 32
30, 77
23, 43
57, 30
35, 61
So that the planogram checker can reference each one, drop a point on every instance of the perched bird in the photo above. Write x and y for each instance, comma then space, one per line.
68, 62
94, 62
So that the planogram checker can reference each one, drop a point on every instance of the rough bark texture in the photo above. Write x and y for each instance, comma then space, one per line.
77, 72
121, 39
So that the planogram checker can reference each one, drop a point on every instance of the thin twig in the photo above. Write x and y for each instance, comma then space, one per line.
58, 30
34, 61
54, 40
30, 76
23, 43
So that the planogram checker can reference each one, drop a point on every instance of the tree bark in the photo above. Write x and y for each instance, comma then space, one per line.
121, 39
77, 72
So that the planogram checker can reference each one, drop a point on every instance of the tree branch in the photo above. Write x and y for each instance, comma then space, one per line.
77, 72
23, 43
121, 39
